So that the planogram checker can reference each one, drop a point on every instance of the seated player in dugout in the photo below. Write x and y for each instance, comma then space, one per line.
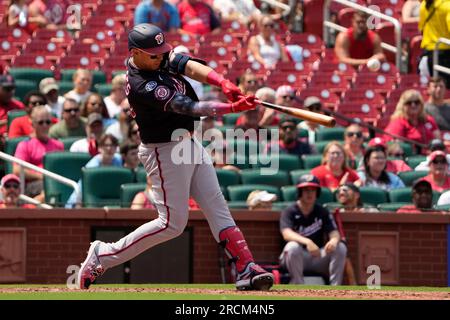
162, 102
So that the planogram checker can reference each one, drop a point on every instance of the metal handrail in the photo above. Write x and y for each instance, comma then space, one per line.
436, 66
52, 175
327, 24
34, 201
279, 4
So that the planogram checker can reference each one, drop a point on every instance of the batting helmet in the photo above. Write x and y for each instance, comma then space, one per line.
149, 38
308, 180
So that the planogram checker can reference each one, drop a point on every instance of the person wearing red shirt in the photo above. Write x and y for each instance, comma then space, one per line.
358, 44
410, 121
22, 126
422, 196
394, 165
10, 190
7, 103
334, 170
438, 176
197, 17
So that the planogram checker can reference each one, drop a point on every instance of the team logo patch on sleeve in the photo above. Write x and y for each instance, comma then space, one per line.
150, 86
162, 93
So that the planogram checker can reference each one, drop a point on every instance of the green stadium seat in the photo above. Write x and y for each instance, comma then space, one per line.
405, 195
445, 207
14, 114
373, 196
224, 192
290, 194
141, 175
311, 161
302, 133
296, 174
66, 164
413, 161
97, 76
227, 177
253, 176
287, 162
329, 134
280, 206
332, 205
64, 87
244, 147
68, 141
101, 186
128, 191
231, 118
23, 87
408, 177
223, 129
104, 89
320, 146
391, 206
240, 161
10, 148
407, 149
30, 74
237, 204
241, 192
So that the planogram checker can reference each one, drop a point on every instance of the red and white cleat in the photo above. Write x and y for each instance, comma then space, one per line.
91, 268
254, 278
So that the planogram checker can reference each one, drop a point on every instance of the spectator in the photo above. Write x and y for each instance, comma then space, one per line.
393, 165
260, 200
71, 124
133, 133
22, 126
248, 83
18, 15
353, 144
53, 12
10, 190
358, 44
95, 103
375, 174
129, 152
50, 89
7, 102
435, 145
270, 116
34, 149
438, 177
444, 199
295, 18
107, 145
436, 106
264, 48
410, 121
410, 11
422, 197
289, 141
82, 82
395, 150
315, 105
158, 12
196, 85
304, 226
197, 17
119, 129
349, 197
434, 23
242, 11
94, 131
116, 100
334, 170
250, 123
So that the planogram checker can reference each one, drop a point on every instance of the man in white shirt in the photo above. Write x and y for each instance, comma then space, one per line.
82, 82
115, 101
50, 89
94, 131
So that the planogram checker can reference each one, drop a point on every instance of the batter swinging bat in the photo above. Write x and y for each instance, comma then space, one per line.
322, 119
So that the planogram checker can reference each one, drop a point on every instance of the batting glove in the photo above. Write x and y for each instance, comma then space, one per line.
244, 103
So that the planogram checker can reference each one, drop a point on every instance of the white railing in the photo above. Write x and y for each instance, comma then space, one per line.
49, 174
35, 202
436, 66
327, 24
280, 5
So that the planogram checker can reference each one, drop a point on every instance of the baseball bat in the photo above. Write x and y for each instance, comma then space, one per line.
322, 119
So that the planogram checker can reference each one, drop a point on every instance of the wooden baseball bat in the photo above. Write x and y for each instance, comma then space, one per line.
322, 119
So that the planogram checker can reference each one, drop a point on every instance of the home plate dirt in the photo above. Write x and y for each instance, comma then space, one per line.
279, 293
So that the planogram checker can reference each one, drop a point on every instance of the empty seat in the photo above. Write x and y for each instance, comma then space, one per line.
10, 148
373, 196
128, 191
408, 177
253, 176
30, 74
241, 192
329, 134
391, 206
414, 161
286, 162
227, 177
311, 161
296, 174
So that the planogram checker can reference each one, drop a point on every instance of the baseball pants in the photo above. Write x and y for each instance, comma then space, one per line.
297, 260
172, 185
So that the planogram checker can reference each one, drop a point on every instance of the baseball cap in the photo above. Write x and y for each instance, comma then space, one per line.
420, 182
310, 101
308, 180
9, 177
377, 141
7, 80
435, 154
285, 90
94, 117
437, 144
149, 38
48, 84
257, 197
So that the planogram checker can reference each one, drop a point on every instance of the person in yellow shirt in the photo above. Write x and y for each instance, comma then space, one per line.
434, 22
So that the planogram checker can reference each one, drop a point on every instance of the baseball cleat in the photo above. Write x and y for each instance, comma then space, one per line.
254, 278
91, 268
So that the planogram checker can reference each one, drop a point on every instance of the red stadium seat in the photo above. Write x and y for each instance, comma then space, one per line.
34, 61
236, 29
16, 37
344, 70
120, 11
410, 30
360, 95
219, 54
377, 82
415, 53
103, 38
329, 99
306, 41
276, 79
303, 70
93, 50
313, 17
222, 39
81, 61
107, 24
330, 81
45, 48
387, 69
366, 112
409, 81
7, 50
345, 17
189, 41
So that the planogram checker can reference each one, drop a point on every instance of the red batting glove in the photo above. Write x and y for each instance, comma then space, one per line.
244, 103
230, 90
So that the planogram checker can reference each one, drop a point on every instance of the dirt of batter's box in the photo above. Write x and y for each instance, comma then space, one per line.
307, 293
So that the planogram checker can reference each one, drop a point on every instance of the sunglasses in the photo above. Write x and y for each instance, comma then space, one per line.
409, 103
9, 89
42, 122
269, 25
251, 81
287, 97
443, 161
95, 103
36, 103
288, 127
397, 155
74, 110
357, 134
11, 185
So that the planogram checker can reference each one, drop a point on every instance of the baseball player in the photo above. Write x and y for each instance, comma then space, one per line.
162, 101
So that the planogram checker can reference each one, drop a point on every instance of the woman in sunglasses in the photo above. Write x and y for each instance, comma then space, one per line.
438, 177
410, 120
353, 144
95, 104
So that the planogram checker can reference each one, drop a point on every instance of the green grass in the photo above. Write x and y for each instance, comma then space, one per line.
90, 295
